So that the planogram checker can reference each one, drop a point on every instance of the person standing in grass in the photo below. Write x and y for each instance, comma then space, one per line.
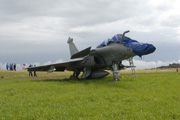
30, 72
10, 67
14, 66
35, 75
7, 66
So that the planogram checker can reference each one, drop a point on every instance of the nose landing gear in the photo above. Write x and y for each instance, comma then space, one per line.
115, 70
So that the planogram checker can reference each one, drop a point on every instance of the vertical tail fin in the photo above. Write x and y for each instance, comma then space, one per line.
72, 47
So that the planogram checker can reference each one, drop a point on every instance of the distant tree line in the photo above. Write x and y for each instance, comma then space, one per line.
173, 65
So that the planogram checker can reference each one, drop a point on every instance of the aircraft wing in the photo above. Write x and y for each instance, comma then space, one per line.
57, 66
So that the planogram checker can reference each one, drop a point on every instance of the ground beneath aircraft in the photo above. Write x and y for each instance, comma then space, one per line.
34, 78
151, 96
24, 75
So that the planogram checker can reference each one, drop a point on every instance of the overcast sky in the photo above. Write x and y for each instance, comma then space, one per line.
36, 31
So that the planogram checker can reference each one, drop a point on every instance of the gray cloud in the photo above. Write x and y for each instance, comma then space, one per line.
37, 30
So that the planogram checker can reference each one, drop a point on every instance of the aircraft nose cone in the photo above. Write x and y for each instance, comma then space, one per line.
150, 49
143, 49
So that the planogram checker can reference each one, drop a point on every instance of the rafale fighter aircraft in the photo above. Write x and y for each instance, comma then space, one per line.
107, 56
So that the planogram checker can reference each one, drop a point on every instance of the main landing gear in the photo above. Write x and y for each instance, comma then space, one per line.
75, 75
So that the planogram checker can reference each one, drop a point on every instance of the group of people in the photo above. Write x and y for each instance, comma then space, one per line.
11, 67
30, 72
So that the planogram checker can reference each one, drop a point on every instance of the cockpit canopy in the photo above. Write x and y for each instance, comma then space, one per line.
137, 47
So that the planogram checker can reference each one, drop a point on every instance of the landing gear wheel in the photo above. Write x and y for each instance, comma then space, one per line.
115, 70
71, 77
75, 75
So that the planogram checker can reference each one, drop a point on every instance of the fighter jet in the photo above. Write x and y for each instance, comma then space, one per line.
97, 62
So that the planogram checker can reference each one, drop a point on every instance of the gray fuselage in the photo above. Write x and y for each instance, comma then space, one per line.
102, 58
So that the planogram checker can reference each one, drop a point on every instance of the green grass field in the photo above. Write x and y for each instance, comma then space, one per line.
155, 95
